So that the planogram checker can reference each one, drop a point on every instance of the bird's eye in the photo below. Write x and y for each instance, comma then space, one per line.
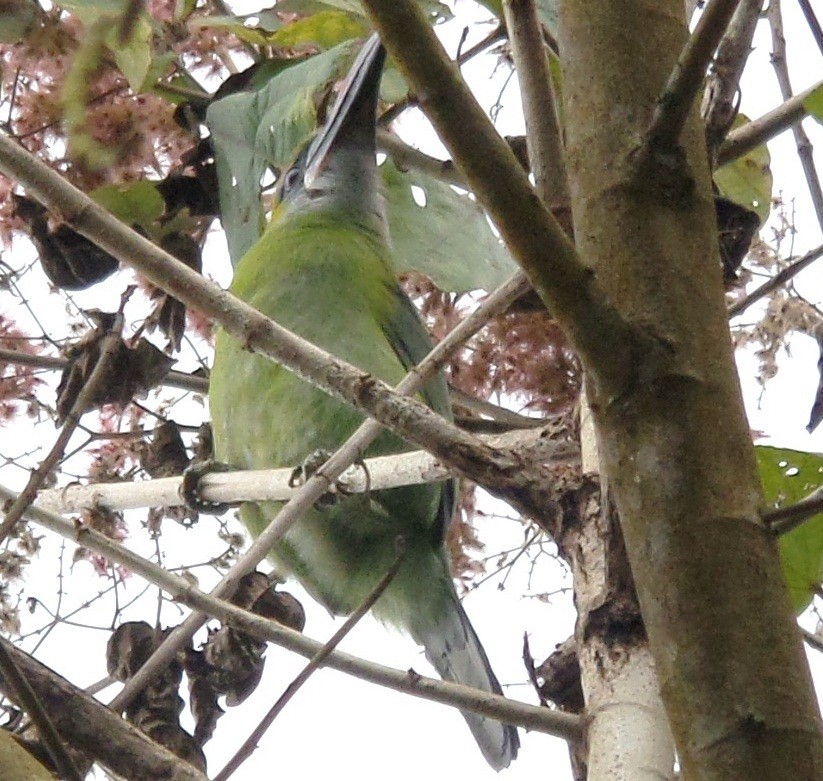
291, 181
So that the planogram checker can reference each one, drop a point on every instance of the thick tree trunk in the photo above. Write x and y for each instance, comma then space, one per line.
675, 443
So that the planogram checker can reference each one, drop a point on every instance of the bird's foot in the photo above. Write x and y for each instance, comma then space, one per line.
338, 490
190, 487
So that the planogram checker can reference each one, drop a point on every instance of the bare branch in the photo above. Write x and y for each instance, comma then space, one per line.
249, 745
763, 129
543, 136
776, 281
463, 698
108, 346
804, 146
22, 692
685, 80
273, 485
81, 719
534, 237
506, 476
181, 380
720, 98
783, 519
813, 22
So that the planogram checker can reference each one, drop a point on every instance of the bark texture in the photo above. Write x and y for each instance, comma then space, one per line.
675, 442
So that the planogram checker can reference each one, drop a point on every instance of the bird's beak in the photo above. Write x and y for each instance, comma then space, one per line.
351, 121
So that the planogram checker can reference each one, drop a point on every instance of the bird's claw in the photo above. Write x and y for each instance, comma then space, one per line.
190, 487
338, 490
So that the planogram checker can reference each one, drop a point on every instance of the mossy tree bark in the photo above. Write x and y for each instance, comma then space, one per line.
675, 443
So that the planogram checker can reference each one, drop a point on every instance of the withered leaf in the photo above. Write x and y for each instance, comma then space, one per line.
231, 662
131, 371
165, 454
736, 227
69, 260
156, 710
169, 314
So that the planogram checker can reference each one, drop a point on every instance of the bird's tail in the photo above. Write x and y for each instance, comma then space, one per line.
454, 649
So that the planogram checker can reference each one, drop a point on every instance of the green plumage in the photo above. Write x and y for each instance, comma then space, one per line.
323, 270
327, 278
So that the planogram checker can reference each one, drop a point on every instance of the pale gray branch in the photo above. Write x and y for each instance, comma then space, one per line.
273, 485
462, 697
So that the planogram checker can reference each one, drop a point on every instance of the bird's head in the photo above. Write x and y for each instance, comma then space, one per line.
337, 168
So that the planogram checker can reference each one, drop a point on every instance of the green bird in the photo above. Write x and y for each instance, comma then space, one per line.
323, 269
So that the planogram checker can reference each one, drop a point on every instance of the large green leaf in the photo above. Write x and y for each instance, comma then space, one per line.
748, 179
448, 238
788, 476
262, 129
814, 104
324, 29
135, 203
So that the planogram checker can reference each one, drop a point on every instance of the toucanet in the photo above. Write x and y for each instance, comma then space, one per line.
323, 269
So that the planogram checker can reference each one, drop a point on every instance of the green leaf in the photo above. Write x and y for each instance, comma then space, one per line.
748, 180
135, 203
324, 29
814, 104
134, 57
448, 239
787, 477
263, 129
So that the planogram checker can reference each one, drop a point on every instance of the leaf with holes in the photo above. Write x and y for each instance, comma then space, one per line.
788, 476
748, 179
442, 233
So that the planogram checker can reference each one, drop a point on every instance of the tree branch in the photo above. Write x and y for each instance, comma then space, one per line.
804, 146
687, 77
180, 380
461, 697
502, 473
812, 21
21, 691
783, 519
273, 485
720, 101
108, 345
534, 237
763, 129
249, 745
543, 136
82, 720
776, 281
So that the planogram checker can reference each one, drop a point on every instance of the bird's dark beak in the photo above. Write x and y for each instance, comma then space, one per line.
351, 121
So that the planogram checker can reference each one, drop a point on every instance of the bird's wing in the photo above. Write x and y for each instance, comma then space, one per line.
410, 340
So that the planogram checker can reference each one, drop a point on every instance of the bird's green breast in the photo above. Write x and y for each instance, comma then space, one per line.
330, 283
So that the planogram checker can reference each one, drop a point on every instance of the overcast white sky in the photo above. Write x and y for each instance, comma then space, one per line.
340, 727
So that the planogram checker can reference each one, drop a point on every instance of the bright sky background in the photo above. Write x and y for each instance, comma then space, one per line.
340, 727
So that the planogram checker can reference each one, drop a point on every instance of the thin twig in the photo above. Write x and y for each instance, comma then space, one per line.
28, 700
180, 380
125, 751
783, 519
804, 146
249, 745
320, 482
812, 21
543, 136
721, 94
463, 698
686, 78
765, 128
812, 639
108, 346
776, 281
